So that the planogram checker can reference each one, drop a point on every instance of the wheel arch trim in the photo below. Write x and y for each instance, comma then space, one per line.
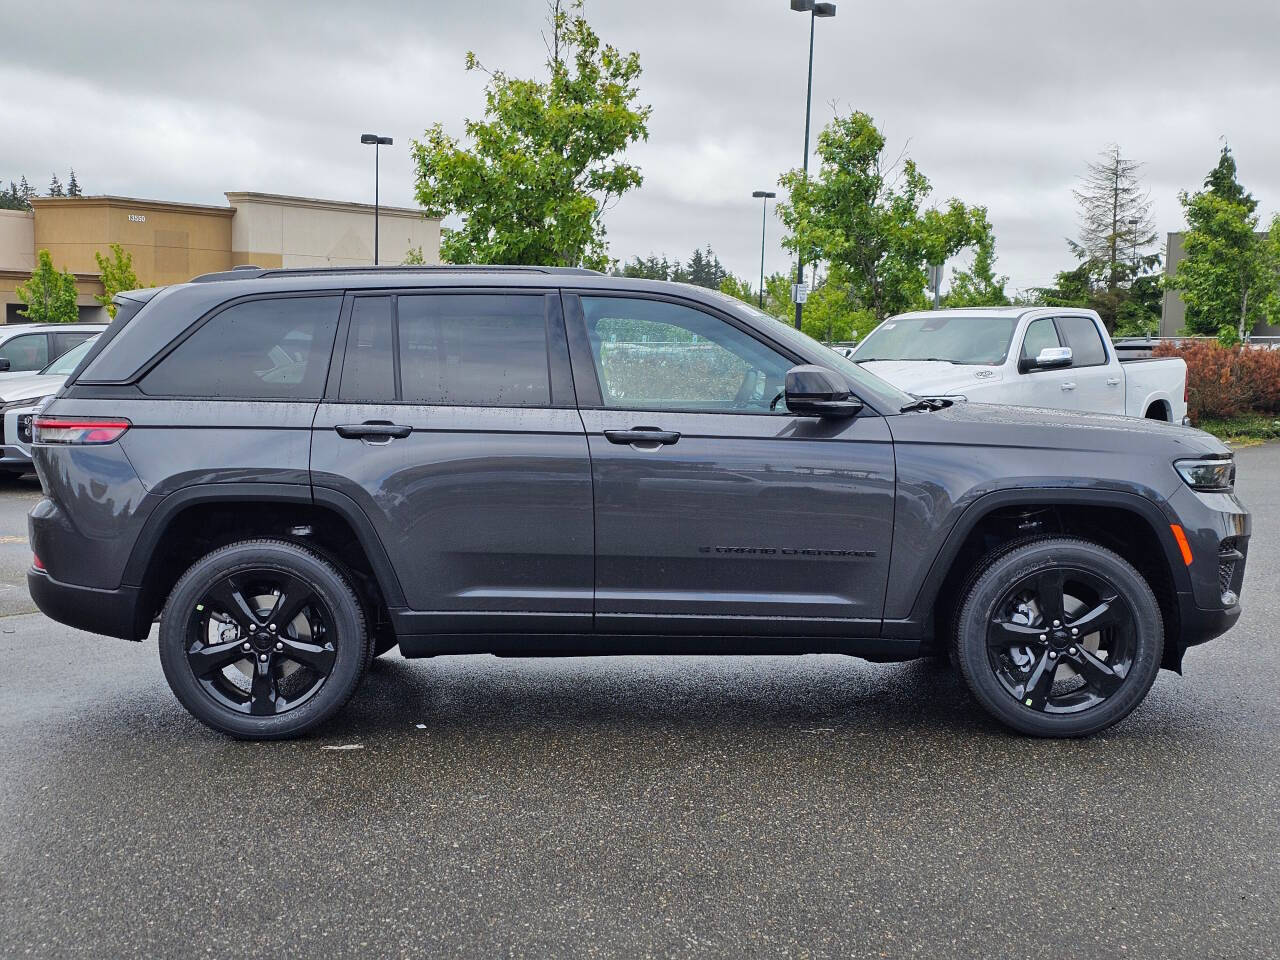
171, 506
984, 506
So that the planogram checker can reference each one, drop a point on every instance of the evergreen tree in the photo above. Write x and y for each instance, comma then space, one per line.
55, 187
1115, 218
73, 186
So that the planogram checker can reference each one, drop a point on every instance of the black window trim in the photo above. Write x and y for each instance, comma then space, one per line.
1106, 357
209, 315
560, 385
587, 380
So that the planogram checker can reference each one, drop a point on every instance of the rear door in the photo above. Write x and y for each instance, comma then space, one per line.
1099, 385
450, 422
26, 353
717, 511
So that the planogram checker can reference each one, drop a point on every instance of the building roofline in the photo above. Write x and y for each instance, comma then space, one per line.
109, 200
234, 197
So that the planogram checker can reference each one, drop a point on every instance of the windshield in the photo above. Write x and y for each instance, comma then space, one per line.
63, 366
868, 385
965, 339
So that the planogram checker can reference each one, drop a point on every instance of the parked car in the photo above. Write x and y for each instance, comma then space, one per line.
27, 348
546, 462
20, 397
1028, 356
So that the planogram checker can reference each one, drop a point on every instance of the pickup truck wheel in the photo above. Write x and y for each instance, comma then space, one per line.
1058, 637
263, 640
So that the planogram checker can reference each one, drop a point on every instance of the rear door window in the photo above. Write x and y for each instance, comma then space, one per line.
1081, 335
368, 371
485, 350
62, 342
30, 351
268, 349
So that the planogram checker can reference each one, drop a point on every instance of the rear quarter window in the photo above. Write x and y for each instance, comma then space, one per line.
270, 349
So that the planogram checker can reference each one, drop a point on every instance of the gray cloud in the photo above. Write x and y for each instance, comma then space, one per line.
1000, 102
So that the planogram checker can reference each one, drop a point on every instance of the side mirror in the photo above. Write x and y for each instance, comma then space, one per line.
4, 364
1050, 358
814, 391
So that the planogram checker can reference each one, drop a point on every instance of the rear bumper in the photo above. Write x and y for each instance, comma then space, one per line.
114, 613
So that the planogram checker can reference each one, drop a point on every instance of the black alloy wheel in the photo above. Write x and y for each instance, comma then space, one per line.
1061, 640
1058, 637
263, 639
259, 641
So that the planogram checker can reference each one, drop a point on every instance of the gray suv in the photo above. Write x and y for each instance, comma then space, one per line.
296, 471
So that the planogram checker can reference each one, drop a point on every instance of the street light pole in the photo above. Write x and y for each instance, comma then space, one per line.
764, 196
814, 10
378, 142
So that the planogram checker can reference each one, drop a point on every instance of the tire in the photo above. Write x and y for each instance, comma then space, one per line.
1011, 654
297, 670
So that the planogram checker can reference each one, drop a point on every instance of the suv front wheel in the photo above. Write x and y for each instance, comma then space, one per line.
1058, 637
263, 640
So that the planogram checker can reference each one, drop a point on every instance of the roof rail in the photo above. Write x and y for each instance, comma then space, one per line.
250, 272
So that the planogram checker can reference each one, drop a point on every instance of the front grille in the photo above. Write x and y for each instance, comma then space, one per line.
1230, 565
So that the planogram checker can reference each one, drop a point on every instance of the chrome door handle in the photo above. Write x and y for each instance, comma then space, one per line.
1069, 385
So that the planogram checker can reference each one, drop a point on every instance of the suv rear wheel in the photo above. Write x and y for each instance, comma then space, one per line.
263, 640
1058, 637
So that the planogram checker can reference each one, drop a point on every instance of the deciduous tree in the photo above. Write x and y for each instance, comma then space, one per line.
50, 294
868, 221
1230, 276
117, 276
543, 166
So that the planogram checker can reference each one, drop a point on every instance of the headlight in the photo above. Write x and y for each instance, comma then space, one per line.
1217, 476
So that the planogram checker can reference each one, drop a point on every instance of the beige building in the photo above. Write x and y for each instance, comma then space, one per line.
173, 242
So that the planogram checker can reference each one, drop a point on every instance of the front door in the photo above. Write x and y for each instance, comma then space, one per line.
717, 511
451, 424
1099, 387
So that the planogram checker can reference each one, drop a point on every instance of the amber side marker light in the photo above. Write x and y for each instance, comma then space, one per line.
1182, 542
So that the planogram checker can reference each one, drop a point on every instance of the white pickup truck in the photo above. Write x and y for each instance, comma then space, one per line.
1027, 356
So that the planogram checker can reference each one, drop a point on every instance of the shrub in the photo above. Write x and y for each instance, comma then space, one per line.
1261, 368
1218, 383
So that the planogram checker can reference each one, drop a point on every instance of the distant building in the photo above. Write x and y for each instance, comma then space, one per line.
1173, 316
173, 242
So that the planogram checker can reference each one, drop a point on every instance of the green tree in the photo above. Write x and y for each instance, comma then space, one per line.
55, 187
1230, 275
50, 294
413, 257
647, 268
867, 221
117, 275
979, 286
73, 185
545, 163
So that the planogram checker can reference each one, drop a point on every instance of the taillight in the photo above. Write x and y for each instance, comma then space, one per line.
77, 430
36, 562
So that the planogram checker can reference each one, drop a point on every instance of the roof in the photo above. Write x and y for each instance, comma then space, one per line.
240, 197
1015, 312
401, 273
9, 328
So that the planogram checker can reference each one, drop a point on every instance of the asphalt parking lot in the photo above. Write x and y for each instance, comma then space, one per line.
471, 806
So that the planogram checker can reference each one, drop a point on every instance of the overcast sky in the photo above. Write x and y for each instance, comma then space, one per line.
1000, 102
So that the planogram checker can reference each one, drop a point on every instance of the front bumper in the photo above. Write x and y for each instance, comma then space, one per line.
15, 438
115, 613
